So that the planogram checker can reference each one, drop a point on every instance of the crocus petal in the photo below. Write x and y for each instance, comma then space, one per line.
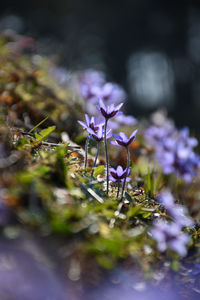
90, 131
116, 137
114, 143
101, 104
82, 124
133, 134
128, 179
119, 106
112, 170
119, 171
124, 137
112, 178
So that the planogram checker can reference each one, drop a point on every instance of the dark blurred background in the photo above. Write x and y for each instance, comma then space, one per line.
150, 47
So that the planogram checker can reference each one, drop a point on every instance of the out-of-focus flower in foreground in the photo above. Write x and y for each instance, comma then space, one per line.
169, 235
177, 212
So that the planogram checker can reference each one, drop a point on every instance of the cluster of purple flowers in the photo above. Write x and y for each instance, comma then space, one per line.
93, 86
170, 234
99, 132
174, 150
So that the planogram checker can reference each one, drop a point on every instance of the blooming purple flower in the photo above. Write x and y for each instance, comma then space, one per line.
98, 135
169, 235
110, 111
123, 140
119, 174
90, 123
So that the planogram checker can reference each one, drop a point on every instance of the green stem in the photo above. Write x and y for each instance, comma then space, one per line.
107, 162
118, 188
97, 154
127, 168
86, 152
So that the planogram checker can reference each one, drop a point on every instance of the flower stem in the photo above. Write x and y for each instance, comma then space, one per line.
118, 188
127, 168
106, 151
86, 152
95, 161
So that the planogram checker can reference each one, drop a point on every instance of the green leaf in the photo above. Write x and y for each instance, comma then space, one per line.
38, 125
150, 183
43, 135
133, 211
98, 170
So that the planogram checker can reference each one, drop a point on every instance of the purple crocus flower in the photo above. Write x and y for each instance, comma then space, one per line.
169, 235
90, 123
123, 140
109, 111
119, 174
98, 136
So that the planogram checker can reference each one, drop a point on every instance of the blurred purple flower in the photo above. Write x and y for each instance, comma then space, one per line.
119, 174
92, 86
169, 235
61, 75
179, 215
110, 111
126, 120
91, 76
123, 140
178, 212
166, 199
